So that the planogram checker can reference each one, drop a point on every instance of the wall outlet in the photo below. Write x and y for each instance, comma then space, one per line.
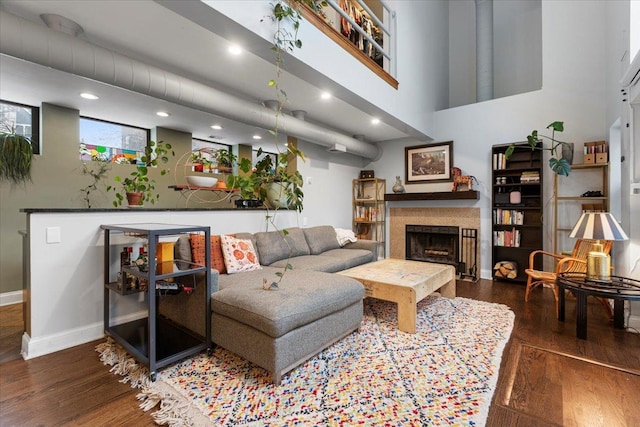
53, 235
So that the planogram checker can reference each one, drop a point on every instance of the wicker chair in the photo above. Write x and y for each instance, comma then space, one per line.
575, 263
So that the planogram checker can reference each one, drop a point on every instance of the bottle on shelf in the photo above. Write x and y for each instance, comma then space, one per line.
142, 262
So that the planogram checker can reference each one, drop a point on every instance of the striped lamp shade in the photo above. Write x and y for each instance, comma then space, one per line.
598, 226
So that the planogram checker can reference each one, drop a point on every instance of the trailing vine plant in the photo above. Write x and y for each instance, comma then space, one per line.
287, 18
97, 171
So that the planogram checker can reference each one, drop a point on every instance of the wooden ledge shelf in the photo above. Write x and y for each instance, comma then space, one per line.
441, 195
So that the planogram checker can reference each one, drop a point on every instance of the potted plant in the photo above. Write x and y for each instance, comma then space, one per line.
16, 155
200, 161
225, 160
561, 164
138, 188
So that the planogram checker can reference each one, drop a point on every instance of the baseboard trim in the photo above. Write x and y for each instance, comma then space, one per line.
36, 347
10, 298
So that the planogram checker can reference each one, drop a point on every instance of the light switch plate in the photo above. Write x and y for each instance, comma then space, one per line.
53, 235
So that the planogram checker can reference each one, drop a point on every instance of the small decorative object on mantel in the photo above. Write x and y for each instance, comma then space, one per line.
398, 188
459, 179
367, 174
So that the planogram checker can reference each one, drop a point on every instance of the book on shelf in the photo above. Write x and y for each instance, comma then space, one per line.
509, 238
366, 213
508, 216
499, 161
530, 177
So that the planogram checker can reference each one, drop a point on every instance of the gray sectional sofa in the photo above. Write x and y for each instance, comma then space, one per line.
280, 329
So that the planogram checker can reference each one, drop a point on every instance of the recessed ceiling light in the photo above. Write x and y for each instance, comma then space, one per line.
235, 49
375, 121
325, 95
163, 114
216, 127
257, 137
87, 95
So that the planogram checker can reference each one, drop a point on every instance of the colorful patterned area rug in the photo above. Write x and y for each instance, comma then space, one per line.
445, 374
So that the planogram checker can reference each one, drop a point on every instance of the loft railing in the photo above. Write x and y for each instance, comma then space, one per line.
385, 24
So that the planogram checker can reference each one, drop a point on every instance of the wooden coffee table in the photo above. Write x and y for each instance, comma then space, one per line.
404, 282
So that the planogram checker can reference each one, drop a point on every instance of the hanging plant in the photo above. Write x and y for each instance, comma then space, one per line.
16, 155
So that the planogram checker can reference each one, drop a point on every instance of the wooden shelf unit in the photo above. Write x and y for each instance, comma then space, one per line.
369, 217
567, 207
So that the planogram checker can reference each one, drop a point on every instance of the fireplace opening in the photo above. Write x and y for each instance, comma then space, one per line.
433, 243
444, 245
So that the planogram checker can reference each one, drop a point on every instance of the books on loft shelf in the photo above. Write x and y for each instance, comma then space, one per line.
530, 177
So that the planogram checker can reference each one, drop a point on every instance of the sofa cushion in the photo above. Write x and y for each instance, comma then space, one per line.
182, 251
239, 255
273, 246
321, 238
303, 297
197, 252
313, 262
351, 257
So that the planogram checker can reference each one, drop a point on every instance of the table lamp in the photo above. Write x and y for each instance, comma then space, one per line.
598, 226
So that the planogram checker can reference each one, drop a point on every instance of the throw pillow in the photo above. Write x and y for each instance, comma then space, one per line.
197, 252
239, 255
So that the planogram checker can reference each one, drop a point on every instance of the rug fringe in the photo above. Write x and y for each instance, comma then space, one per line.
173, 410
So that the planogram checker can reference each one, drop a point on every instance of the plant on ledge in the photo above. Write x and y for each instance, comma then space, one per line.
558, 165
269, 184
138, 186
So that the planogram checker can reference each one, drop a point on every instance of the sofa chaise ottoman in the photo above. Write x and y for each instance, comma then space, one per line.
280, 329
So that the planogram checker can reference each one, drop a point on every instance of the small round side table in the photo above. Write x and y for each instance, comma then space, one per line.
618, 289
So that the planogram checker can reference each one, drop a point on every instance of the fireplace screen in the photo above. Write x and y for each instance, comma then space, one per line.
433, 243
441, 244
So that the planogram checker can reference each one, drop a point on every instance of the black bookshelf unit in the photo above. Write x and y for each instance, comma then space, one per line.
517, 207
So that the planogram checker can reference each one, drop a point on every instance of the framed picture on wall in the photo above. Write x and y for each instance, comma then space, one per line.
428, 163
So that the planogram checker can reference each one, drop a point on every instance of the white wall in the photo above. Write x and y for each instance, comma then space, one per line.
517, 49
573, 42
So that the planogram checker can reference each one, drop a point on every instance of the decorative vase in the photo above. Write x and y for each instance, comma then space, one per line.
398, 187
134, 199
567, 152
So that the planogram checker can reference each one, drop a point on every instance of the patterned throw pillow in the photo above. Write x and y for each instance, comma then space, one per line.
197, 252
239, 255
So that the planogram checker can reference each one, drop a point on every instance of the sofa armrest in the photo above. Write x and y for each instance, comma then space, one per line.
370, 245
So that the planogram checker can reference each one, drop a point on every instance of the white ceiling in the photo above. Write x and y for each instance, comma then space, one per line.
149, 32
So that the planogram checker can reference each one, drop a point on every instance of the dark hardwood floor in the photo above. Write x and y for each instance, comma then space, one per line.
548, 377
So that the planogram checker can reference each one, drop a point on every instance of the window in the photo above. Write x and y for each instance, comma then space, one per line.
23, 119
104, 141
197, 144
